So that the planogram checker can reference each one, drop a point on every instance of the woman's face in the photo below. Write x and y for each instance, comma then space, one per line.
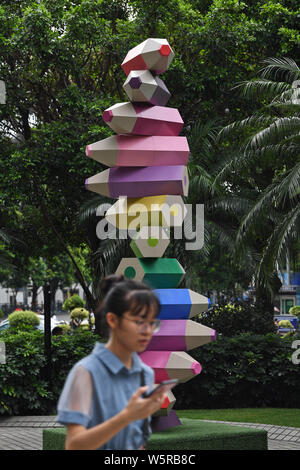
133, 332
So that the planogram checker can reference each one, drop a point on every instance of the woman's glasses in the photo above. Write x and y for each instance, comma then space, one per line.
143, 325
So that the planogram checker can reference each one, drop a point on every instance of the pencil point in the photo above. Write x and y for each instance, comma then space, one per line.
88, 151
196, 368
165, 50
135, 82
107, 116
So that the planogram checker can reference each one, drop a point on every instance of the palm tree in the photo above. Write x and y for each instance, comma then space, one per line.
268, 143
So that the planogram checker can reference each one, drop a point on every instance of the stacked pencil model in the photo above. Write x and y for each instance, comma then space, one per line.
148, 176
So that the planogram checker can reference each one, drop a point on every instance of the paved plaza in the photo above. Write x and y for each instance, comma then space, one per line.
25, 433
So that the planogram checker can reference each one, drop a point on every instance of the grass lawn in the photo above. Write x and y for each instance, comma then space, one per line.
277, 416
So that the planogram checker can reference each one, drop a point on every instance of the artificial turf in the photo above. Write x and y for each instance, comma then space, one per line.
190, 435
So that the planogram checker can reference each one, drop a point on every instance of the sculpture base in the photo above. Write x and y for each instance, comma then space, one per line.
193, 434
161, 423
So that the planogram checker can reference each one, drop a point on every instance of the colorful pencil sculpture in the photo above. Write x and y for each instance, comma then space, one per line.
133, 150
148, 176
140, 181
166, 211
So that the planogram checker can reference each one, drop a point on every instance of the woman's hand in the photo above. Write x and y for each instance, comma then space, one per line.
140, 408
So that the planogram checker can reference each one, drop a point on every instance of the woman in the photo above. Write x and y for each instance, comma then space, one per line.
102, 401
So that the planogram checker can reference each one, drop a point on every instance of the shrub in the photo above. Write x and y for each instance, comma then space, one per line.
1, 314
285, 324
20, 319
295, 310
66, 328
24, 390
73, 302
245, 371
238, 318
79, 314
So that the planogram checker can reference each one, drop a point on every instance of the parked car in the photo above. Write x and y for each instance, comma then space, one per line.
4, 325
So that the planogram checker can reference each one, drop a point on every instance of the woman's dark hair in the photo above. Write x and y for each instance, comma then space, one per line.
121, 295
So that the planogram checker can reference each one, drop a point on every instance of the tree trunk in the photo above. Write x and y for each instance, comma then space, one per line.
47, 331
34, 297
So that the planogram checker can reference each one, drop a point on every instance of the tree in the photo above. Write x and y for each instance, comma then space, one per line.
61, 65
267, 150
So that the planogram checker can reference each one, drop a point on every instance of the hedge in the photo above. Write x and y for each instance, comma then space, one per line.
19, 319
24, 390
245, 371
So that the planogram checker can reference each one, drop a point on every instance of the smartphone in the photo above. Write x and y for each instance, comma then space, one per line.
164, 386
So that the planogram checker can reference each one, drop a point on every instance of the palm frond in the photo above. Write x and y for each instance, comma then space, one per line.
289, 187
279, 129
256, 121
230, 204
287, 147
276, 67
262, 88
261, 208
200, 185
201, 140
5, 237
225, 236
89, 209
278, 242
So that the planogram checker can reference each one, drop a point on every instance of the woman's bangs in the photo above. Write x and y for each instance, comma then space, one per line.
143, 302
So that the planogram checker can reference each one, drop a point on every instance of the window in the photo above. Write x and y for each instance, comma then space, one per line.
286, 304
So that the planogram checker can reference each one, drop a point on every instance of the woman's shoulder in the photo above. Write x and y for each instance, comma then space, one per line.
91, 360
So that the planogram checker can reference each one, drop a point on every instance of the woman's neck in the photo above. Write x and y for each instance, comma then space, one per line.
122, 353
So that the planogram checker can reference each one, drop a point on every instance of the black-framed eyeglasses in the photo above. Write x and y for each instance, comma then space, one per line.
143, 325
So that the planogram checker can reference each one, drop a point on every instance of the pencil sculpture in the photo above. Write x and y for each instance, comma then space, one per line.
148, 176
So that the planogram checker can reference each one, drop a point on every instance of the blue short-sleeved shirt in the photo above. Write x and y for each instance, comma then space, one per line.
97, 388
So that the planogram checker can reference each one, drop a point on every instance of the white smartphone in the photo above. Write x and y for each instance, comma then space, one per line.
164, 386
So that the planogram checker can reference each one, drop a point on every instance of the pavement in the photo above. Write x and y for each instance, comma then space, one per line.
26, 433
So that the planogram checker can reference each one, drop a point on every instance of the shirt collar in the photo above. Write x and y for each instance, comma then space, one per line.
113, 363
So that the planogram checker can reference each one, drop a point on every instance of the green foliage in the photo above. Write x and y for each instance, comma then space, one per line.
1, 313
295, 310
61, 64
245, 371
239, 317
65, 328
79, 314
72, 302
236, 372
20, 319
24, 391
285, 324
263, 162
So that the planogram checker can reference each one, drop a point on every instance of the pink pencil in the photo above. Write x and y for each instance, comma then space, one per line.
143, 119
127, 150
171, 365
